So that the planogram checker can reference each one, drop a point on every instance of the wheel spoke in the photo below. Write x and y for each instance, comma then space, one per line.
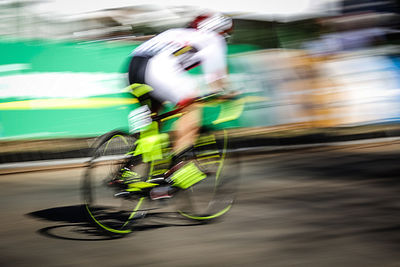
103, 184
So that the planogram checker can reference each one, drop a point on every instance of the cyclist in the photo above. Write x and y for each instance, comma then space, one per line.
162, 63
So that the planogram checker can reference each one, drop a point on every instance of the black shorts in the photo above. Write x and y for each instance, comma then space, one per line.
137, 69
136, 74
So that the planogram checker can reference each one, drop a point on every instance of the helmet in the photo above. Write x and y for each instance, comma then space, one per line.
212, 22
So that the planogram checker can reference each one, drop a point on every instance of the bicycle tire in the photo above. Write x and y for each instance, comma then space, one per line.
113, 215
214, 196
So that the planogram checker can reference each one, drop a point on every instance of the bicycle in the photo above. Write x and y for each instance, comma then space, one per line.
124, 167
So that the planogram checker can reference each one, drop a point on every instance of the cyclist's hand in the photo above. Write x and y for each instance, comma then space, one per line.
229, 94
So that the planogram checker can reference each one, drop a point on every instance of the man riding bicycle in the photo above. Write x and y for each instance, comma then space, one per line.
162, 63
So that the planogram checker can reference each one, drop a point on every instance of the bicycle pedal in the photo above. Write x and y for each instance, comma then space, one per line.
163, 192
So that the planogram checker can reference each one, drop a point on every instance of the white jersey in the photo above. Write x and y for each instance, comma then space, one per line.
189, 48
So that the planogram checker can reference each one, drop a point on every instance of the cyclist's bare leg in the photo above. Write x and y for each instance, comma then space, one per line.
184, 136
187, 128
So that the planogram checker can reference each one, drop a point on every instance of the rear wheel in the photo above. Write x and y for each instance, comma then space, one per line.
108, 205
214, 195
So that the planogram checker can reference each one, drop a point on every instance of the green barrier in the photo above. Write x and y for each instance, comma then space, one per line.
53, 56
42, 123
54, 89
59, 117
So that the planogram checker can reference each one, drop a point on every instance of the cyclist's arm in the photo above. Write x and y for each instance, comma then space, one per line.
213, 61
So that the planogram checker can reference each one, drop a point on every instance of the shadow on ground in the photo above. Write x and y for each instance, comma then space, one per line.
73, 223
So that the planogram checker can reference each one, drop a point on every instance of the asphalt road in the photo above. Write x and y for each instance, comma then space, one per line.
334, 206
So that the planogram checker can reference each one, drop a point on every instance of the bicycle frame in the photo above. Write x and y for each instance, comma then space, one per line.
151, 150
151, 141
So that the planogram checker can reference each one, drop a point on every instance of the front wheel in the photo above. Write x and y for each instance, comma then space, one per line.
213, 196
104, 200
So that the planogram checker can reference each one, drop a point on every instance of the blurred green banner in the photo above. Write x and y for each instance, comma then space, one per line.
52, 89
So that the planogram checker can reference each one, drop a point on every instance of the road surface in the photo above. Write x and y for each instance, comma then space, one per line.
332, 206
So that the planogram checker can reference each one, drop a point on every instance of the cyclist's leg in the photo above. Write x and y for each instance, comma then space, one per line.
172, 83
187, 128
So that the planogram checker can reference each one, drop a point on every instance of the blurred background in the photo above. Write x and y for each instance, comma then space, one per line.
329, 67
311, 73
